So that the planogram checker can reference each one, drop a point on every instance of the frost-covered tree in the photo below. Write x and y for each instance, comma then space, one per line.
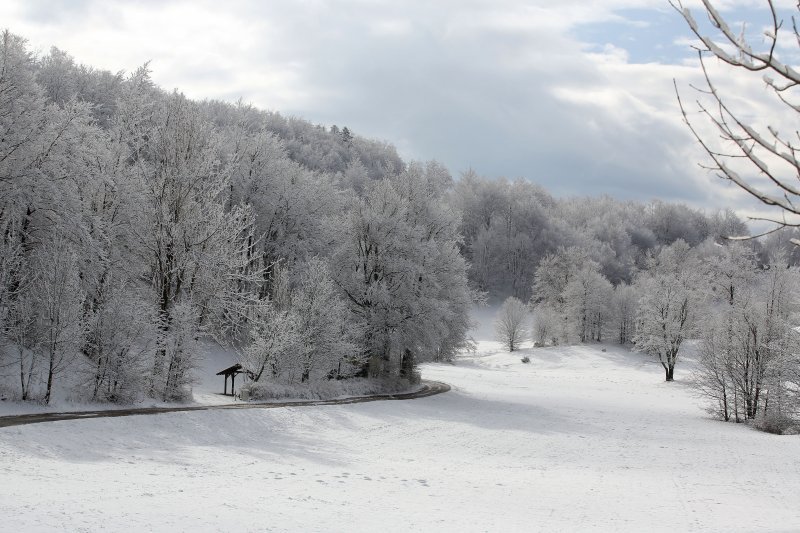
748, 341
271, 340
671, 295
397, 262
711, 377
189, 244
510, 323
624, 303
587, 297
13, 284
291, 206
120, 346
557, 272
21, 338
547, 324
58, 300
327, 338
505, 226
732, 268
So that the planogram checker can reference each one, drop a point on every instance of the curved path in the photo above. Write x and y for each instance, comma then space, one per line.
429, 388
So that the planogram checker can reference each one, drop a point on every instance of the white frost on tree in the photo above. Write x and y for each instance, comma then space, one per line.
587, 297
671, 295
58, 299
546, 325
509, 323
624, 302
398, 264
749, 344
326, 338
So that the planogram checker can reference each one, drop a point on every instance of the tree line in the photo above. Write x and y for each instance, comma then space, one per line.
135, 223
739, 312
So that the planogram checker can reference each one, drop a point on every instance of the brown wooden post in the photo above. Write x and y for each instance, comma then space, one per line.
225, 391
233, 381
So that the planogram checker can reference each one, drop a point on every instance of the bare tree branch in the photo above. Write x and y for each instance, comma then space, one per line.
768, 154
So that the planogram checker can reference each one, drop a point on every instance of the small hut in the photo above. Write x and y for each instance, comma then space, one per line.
231, 372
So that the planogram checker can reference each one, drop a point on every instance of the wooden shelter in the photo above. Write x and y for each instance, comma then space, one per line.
232, 372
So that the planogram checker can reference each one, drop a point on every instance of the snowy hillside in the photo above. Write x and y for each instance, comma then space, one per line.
579, 439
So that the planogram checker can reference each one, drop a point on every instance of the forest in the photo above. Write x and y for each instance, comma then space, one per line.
136, 224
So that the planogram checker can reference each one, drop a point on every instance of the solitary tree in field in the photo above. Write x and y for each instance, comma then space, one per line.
670, 296
509, 325
759, 157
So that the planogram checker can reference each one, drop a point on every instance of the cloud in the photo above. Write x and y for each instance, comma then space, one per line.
576, 94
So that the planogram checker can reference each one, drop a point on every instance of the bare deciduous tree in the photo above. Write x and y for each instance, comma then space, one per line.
771, 170
510, 323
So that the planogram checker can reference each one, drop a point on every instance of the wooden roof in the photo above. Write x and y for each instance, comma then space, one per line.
235, 369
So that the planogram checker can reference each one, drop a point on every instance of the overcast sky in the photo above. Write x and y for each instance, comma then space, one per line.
574, 94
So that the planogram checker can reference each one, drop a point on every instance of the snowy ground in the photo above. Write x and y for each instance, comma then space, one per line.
577, 440
206, 391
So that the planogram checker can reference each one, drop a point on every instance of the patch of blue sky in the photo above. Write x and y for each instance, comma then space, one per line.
662, 36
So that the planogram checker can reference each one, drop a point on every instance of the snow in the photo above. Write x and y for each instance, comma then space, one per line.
207, 390
579, 439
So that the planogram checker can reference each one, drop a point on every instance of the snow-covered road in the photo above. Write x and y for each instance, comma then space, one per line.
577, 440
425, 389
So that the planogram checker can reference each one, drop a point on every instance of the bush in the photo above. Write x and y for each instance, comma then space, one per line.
509, 324
326, 389
776, 423
526, 359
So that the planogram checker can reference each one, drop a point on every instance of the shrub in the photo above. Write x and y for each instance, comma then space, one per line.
509, 324
776, 423
325, 389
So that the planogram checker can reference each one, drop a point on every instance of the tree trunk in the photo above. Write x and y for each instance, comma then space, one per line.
50, 376
23, 384
725, 411
407, 364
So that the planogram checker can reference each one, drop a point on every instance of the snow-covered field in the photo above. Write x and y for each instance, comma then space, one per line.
577, 440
